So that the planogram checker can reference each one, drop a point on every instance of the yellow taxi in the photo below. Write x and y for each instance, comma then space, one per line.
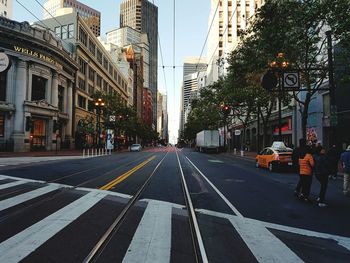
274, 157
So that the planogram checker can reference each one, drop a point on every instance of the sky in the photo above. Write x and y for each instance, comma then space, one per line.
191, 26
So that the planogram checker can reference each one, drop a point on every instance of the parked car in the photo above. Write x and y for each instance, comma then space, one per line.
135, 148
273, 158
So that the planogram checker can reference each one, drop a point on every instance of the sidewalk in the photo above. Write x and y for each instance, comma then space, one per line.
246, 155
42, 153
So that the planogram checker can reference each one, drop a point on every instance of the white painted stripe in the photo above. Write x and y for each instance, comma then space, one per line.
10, 202
12, 184
173, 205
262, 243
152, 240
229, 204
121, 195
343, 241
21, 179
24, 243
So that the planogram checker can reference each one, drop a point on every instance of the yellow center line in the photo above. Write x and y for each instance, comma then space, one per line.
126, 175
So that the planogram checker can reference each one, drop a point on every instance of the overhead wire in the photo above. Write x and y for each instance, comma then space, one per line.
206, 39
31, 13
233, 13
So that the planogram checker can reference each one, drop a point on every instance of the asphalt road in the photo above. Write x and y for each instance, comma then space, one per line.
60, 210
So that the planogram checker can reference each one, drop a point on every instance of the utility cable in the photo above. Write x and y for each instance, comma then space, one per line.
233, 13
206, 39
31, 13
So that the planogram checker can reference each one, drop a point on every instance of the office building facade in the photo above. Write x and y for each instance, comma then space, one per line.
6, 8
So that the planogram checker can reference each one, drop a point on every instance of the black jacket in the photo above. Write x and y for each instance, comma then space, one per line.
321, 165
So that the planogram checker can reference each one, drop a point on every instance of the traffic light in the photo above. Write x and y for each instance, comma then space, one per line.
29, 123
226, 109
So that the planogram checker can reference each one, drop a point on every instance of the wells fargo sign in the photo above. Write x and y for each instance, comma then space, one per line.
36, 54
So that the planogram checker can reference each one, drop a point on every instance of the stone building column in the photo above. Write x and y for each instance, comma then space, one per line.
54, 90
69, 110
20, 96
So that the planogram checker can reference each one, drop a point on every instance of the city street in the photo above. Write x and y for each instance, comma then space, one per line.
135, 207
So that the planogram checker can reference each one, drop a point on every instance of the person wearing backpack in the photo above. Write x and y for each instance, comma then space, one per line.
306, 164
345, 162
321, 171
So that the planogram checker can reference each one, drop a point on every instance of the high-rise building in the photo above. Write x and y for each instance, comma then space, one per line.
91, 16
193, 68
142, 15
6, 8
229, 18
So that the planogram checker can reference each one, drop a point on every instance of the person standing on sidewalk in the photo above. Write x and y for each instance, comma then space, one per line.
321, 173
306, 164
345, 162
297, 152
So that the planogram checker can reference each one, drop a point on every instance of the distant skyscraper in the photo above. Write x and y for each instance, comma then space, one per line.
142, 15
6, 8
91, 16
231, 17
193, 68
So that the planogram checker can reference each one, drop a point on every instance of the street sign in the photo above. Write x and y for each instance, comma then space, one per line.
111, 118
291, 80
237, 132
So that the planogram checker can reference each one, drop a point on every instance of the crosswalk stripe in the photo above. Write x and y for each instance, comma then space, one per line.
21, 179
12, 184
13, 201
24, 243
152, 239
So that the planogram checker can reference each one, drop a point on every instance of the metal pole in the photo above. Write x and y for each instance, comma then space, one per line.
333, 104
258, 132
279, 109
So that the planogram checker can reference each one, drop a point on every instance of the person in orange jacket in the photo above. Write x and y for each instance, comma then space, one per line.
306, 164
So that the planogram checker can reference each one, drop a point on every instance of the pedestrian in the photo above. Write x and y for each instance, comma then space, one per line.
297, 152
333, 156
306, 164
345, 162
321, 172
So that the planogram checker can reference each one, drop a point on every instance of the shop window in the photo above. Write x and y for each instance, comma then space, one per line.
60, 98
2, 125
38, 88
3, 81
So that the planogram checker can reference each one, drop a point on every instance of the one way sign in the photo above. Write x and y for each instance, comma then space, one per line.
291, 80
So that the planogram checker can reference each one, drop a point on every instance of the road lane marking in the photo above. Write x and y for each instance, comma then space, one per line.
121, 195
12, 184
343, 241
126, 175
24, 243
152, 240
229, 204
13, 201
21, 179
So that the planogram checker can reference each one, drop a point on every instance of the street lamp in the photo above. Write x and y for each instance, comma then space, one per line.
99, 104
279, 65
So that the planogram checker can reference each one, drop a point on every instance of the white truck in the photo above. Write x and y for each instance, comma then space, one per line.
208, 140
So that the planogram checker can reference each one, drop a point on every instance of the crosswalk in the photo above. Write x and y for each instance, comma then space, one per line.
152, 238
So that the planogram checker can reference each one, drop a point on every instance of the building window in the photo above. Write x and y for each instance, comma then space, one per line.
58, 32
91, 74
92, 46
81, 102
105, 63
71, 31
81, 84
91, 89
64, 32
82, 36
99, 56
82, 65
38, 88
3, 81
105, 86
60, 98
98, 80
2, 125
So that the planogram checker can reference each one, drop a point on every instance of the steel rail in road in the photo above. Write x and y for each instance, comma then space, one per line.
197, 239
66, 189
97, 250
